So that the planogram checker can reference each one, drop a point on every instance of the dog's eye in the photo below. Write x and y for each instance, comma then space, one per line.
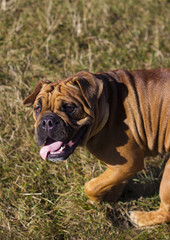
69, 109
37, 110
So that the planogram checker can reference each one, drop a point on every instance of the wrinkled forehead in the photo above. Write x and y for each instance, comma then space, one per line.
56, 92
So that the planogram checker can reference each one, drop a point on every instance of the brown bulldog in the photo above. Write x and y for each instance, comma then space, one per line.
121, 116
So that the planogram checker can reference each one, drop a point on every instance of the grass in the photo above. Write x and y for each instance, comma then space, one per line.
53, 39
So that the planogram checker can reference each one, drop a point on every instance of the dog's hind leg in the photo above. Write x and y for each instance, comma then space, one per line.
162, 215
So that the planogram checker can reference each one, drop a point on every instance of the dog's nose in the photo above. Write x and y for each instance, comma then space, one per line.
49, 122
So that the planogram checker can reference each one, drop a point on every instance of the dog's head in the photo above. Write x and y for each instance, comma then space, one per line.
65, 113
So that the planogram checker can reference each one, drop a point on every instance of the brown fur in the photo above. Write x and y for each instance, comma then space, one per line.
129, 116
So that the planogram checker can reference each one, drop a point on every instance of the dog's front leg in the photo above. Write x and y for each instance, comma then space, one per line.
113, 179
123, 163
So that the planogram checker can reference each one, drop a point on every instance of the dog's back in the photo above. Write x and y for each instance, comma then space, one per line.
147, 107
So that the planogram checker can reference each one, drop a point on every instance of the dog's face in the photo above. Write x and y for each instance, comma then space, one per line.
64, 113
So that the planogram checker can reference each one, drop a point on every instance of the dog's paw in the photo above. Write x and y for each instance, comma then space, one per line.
143, 219
138, 218
92, 191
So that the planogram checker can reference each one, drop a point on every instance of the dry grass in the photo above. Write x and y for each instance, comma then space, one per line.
53, 39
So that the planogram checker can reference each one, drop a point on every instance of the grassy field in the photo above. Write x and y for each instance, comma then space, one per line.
53, 39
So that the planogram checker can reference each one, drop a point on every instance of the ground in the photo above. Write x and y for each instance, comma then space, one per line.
51, 40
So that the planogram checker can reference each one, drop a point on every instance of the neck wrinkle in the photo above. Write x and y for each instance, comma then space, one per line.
102, 123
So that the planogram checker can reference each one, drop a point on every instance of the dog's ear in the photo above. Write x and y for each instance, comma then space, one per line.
29, 101
90, 86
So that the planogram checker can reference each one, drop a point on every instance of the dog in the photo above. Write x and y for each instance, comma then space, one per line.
120, 116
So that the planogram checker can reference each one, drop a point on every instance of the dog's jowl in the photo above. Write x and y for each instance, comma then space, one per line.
121, 116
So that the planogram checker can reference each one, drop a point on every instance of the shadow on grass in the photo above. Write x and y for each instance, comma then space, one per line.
136, 188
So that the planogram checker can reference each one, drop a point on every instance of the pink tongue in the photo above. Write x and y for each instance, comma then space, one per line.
49, 148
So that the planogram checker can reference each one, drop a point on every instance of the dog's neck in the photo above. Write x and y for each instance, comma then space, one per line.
102, 123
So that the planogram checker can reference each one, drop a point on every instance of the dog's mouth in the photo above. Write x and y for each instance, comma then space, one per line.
60, 151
